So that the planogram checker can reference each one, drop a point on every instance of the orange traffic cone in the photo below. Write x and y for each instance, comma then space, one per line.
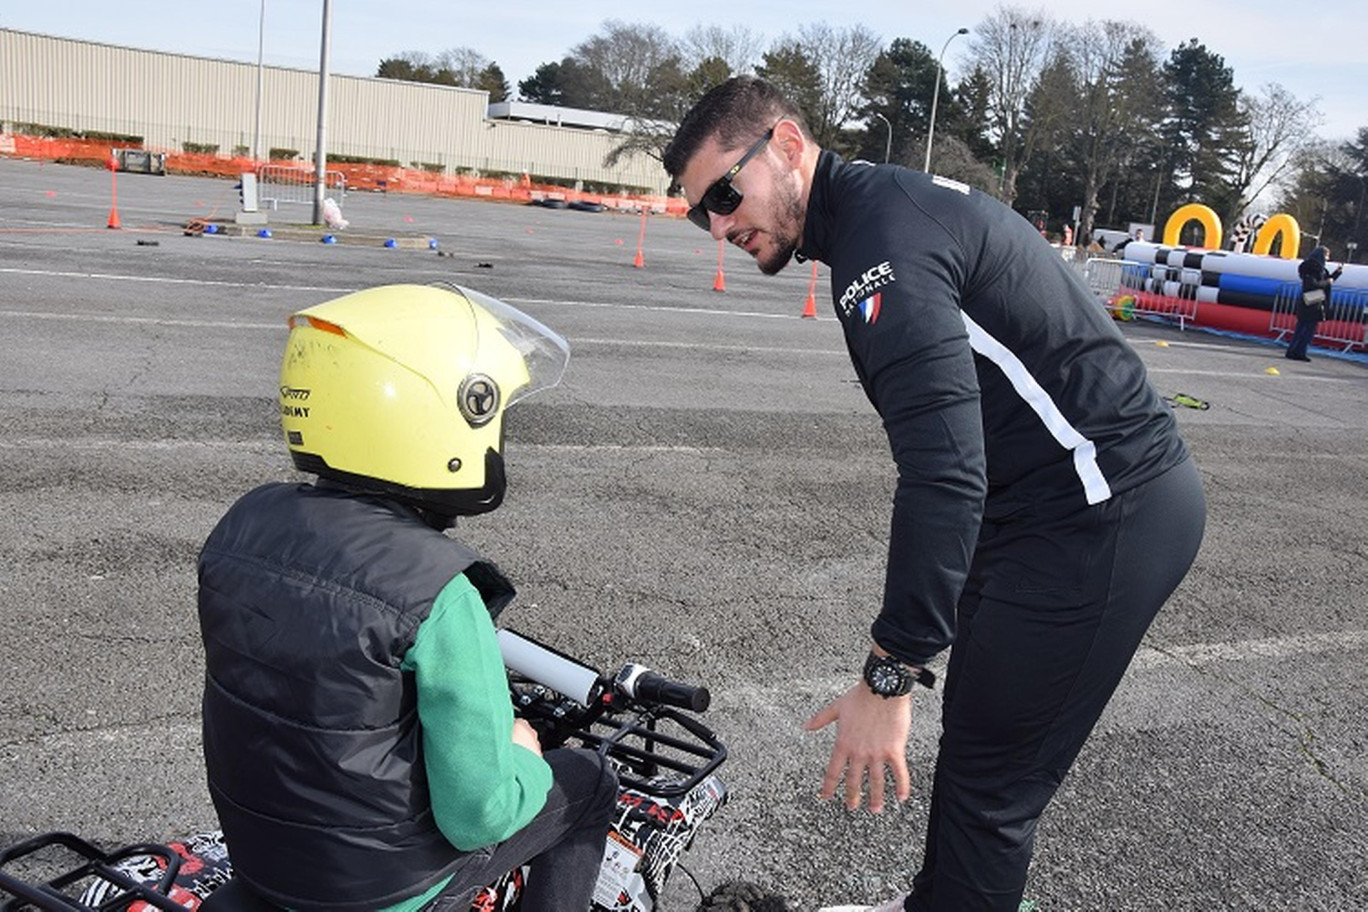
719, 283
113, 165
810, 306
639, 261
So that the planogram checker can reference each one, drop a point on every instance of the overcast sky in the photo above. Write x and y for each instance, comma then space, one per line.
1295, 44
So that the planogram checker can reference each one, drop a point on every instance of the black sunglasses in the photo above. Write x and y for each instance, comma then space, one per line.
721, 197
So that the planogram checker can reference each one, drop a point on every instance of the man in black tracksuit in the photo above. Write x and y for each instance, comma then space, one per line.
1045, 508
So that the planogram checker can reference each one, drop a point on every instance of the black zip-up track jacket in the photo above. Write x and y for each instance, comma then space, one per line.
1005, 389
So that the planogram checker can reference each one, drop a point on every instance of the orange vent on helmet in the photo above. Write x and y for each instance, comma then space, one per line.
302, 320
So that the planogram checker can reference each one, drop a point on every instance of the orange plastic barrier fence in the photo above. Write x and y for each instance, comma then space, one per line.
368, 177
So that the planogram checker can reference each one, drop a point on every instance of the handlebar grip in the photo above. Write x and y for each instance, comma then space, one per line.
645, 685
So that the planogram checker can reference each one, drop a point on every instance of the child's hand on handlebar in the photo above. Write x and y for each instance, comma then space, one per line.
526, 735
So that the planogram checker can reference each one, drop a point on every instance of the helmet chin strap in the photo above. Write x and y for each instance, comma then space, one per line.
437, 507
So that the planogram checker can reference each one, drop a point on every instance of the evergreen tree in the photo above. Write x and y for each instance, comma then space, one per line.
795, 74
898, 86
493, 81
1202, 125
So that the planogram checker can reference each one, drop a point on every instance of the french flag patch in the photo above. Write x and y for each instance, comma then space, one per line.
869, 307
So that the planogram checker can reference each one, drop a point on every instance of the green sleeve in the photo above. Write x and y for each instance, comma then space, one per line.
484, 787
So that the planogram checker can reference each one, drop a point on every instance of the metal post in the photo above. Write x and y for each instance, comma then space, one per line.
935, 96
321, 152
1358, 214
888, 146
261, 47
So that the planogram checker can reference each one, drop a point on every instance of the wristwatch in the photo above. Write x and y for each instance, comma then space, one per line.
888, 677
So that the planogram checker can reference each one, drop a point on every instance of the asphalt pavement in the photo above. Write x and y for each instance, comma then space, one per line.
707, 493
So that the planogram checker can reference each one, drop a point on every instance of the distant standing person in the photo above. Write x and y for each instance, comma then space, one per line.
1316, 281
1034, 463
1137, 235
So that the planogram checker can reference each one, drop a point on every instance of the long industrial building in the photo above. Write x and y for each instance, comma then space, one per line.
179, 103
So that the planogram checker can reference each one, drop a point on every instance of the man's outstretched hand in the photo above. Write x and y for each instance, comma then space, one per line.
871, 734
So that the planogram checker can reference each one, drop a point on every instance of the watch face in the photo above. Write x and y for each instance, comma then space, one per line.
886, 677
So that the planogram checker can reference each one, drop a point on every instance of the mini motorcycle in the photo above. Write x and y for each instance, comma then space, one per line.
644, 723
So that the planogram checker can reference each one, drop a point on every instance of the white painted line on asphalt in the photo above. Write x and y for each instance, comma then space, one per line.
1172, 343
152, 321
264, 445
167, 736
583, 340
274, 327
697, 311
185, 735
647, 343
1193, 656
1198, 654
168, 280
625, 447
1246, 375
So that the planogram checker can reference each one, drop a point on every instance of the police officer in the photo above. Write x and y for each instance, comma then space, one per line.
1045, 507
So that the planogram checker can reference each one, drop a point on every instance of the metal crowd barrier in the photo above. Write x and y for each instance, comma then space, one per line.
1346, 319
140, 161
1103, 276
286, 184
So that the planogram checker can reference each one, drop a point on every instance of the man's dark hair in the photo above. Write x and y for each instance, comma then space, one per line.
737, 112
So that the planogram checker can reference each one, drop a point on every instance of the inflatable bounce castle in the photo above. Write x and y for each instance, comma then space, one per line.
1253, 293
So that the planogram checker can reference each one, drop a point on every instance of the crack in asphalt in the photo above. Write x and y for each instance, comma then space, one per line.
1303, 731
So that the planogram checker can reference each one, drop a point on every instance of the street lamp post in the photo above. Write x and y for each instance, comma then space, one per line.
1358, 215
888, 146
321, 149
261, 47
935, 96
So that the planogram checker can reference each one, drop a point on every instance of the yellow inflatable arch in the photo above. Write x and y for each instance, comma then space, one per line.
1280, 224
1205, 215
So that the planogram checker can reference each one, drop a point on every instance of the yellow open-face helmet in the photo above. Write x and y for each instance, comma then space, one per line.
402, 389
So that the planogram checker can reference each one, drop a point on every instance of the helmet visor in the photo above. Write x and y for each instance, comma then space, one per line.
544, 352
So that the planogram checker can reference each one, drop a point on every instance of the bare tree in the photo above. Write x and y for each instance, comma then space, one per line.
465, 65
411, 66
843, 56
1012, 47
633, 59
1117, 65
737, 46
1279, 128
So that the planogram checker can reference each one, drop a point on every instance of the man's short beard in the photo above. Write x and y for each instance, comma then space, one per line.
787, 234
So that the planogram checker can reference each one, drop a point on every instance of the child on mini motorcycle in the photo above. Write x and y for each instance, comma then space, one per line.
359, 737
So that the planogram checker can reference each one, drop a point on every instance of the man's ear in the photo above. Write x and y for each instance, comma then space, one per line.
791, 141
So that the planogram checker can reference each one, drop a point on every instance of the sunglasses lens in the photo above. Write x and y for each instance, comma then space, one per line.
699, 216
722, 198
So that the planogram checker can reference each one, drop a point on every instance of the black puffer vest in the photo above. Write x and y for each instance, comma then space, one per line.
309, 598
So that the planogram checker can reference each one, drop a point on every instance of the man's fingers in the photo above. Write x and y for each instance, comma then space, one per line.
902, 781
824, 717
833, 775
876, 789
854, 779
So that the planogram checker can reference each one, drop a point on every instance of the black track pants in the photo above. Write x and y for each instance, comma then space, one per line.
1049, 619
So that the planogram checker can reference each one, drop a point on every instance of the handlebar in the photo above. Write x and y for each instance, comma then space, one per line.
638, 717
640, 683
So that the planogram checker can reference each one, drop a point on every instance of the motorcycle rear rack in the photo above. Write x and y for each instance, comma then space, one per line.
51, 894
